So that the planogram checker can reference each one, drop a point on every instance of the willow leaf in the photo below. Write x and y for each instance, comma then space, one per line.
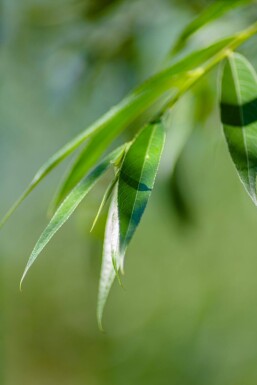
136, 179
239, 118
90, 154
70, 204
111, 257
213, 12
131, 107
105, 199
179, 124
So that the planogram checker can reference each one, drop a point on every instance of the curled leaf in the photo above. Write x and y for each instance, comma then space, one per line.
130, 197
239, 117
111, 257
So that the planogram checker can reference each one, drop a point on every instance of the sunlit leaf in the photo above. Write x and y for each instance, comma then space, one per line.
100, 141
239, 118
136, 179
111, 256
213, 12
70, 204
178, 77
131, 194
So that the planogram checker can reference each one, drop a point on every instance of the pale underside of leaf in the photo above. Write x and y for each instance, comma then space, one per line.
129, 198
111, 257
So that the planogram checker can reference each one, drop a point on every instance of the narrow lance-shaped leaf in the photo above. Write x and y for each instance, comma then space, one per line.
239, 118
86, 159
110, 253
136, 180
131, 194
120, 116
110, 188
215, 10
179, 123
99, 141
70, 204
105, 199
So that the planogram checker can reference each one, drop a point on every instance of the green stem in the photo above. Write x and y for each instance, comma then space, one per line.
195, 75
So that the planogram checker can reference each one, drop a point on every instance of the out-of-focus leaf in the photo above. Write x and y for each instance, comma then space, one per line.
136, 180
131, 107
213, 12
70, 204
239, 118
90, 154
178, 123
111, 256
180, 197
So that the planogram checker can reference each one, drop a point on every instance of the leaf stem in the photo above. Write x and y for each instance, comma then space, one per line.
199, 72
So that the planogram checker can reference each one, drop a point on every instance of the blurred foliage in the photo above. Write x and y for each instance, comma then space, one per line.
188, 312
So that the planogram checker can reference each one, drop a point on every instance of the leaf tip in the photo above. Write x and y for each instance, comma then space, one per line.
100, 325
99, 317
93, 225
21, 282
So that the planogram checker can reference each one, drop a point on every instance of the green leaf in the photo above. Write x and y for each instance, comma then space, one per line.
89, 155
70, 204
105, 199
136, 180
213, 12
119, 117
111, 257
239, 118
179, 123
100, 141
130, 197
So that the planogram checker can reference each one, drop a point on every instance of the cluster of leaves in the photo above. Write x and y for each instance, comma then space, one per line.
135, 164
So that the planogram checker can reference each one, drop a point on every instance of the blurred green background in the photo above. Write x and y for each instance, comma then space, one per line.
188, 314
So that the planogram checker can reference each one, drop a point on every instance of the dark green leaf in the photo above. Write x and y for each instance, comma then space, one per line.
136, 179
239, 118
